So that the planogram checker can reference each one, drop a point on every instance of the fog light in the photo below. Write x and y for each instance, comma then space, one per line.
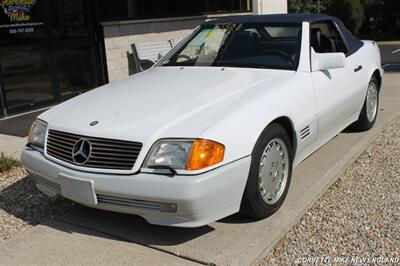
168, 207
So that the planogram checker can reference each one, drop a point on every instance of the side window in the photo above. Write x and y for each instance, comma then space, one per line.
325, 38
282, 32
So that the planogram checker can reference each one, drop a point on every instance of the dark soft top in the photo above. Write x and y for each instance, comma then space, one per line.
352, 42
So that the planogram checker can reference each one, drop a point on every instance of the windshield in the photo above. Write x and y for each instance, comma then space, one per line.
260, 45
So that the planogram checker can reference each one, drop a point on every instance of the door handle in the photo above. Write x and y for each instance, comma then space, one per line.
358, 68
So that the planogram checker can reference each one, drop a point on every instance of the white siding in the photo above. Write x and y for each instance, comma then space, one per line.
269, 6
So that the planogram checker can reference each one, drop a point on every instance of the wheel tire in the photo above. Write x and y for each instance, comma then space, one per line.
253, 204
364, 123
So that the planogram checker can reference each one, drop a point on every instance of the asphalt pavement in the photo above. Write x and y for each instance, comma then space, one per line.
390, 54
19, 125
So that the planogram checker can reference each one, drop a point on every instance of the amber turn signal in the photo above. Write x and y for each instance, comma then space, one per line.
205, 153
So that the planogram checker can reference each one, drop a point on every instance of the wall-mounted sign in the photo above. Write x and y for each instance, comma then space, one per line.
17, 16
18, 10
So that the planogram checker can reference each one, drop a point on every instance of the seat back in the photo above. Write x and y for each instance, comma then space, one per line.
241, 44
322, 43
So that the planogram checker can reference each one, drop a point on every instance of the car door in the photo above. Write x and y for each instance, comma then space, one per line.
334, 88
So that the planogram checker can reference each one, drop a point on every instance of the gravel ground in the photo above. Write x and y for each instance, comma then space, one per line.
357, 218
22, 205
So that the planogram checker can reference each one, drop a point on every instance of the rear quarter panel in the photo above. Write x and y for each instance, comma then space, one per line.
369, 57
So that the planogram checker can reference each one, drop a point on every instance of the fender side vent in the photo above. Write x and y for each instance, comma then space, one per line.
304, 132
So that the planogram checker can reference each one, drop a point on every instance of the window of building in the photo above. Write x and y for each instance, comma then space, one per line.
145, 9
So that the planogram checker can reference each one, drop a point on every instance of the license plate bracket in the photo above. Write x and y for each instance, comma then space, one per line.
78, 189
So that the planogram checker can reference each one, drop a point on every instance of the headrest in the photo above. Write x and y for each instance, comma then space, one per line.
316, 39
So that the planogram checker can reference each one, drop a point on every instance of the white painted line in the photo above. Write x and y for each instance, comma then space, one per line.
396, 51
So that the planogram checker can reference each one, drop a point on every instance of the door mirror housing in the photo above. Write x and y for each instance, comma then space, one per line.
326, 61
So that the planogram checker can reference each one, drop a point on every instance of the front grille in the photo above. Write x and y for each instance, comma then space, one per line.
105, 153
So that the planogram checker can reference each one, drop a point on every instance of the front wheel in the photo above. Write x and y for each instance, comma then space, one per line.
369, 111
270, 173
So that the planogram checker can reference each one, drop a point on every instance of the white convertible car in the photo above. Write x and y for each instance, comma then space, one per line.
216, 126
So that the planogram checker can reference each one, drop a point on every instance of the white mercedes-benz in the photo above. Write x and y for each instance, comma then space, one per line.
216, 126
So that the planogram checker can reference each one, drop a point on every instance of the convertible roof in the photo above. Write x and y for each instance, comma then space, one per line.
352, 42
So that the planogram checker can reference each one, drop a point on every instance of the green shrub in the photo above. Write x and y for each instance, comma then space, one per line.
307, 6
351, 12
6, 163
368, 19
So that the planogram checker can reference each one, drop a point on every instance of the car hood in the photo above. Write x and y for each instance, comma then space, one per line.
163, 102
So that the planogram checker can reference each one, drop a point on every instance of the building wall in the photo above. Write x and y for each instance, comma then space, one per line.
269, 6
117, 49
119, 36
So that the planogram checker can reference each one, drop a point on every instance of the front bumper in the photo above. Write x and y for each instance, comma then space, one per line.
199, 199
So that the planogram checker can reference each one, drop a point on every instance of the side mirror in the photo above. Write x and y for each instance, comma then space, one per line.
326, 61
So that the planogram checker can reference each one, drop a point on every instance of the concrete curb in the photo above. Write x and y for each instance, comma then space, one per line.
388, 42
348, 159
45, 246
12, 146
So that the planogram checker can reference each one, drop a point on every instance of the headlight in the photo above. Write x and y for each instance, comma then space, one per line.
169, 153
185, 154
37, 133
